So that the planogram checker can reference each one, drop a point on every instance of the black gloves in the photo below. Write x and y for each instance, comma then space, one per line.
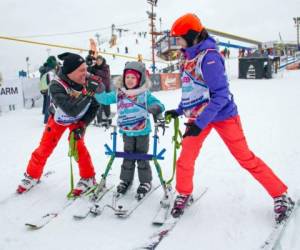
91, 87
94, 84
79, 131
155, 110
192, 130
171, 113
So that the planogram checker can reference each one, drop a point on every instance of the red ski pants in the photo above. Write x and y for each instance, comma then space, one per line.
232, 134
50, 138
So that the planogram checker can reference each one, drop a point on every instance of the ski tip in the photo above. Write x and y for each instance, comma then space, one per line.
158, 224
121, 214
78, 217
32, 226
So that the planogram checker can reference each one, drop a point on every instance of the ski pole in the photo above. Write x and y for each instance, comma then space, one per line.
72, 153
177, 144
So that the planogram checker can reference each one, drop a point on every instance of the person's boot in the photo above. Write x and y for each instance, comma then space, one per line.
84, 185
26, 184
180, 203
283, 206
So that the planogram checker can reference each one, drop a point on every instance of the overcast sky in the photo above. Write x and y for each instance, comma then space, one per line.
257, 19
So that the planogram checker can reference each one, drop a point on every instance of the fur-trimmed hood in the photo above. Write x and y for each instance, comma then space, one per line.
119, 83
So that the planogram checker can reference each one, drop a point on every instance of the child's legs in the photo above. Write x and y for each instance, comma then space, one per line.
144, 169
128, 166
49, 140
185, 165
232, 134
86, 168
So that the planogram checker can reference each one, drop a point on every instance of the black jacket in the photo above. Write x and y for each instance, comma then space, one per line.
74, 102
104, 72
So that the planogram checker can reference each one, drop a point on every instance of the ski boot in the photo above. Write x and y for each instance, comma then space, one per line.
180, 203
283, 206
26, 184
142, 190
123, 187
84, 185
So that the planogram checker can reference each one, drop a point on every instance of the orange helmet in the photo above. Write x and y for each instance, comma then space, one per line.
185, 23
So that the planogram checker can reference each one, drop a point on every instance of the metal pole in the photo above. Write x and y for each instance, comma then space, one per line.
152, 35
27, 62
298, 22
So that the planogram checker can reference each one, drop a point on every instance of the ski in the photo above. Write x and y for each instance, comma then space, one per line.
87, 205
122, 212
273, 240
167, 227
97, 209
163, 211
48, 217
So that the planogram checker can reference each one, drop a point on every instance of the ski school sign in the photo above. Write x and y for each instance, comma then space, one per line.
11, 93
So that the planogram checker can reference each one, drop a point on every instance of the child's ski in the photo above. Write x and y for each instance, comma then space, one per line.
122, 212
85, 208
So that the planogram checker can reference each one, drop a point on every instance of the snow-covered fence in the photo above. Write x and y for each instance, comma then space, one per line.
287, 60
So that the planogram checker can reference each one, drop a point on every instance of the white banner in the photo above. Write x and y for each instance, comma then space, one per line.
11, 93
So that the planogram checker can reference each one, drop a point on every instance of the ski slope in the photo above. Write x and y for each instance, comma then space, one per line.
236, 213
128, 39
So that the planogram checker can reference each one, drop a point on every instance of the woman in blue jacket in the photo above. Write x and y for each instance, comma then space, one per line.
208, 104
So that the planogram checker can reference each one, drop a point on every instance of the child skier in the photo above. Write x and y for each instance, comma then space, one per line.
207, 103
134, 103
72, 106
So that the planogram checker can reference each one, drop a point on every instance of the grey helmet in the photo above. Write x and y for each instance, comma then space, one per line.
139, 67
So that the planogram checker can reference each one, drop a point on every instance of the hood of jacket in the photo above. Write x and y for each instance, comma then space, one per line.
192, 52
145, 82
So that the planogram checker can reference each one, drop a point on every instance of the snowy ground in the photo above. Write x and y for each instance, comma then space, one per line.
236, 213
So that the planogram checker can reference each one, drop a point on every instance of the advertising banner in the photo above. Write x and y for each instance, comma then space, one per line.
170, 81
11, 93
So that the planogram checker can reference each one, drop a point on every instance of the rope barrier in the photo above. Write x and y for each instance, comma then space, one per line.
72, 48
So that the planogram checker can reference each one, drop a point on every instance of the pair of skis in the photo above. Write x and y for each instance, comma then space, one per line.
96, 208
168, 223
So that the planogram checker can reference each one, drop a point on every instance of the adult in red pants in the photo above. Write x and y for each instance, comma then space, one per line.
73, 107
207, 103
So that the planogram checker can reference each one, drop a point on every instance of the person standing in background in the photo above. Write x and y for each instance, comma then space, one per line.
101, 69
48, 72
